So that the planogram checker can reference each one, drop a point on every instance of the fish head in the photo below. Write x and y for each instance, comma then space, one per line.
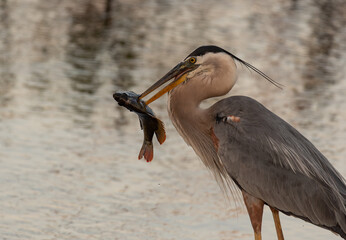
131, 101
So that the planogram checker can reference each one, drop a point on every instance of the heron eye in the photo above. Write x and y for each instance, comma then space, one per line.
192, 60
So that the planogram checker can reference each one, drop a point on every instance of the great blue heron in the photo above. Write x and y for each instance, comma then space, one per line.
242, 142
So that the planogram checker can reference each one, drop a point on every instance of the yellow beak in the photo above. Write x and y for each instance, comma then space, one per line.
166, 89
179, 74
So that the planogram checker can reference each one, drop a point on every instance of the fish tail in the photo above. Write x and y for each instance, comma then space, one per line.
160, 132
147, 151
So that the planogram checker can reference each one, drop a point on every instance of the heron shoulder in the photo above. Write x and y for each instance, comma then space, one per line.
236, 102
245, 107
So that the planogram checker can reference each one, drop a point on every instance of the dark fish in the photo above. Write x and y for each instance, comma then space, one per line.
149, 123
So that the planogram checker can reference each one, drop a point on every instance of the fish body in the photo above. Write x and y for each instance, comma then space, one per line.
150, 124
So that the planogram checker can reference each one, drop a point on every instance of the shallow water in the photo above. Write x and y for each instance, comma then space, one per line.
68, 153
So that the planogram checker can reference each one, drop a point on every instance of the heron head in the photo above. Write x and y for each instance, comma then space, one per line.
210, 63
203, 60
177, 75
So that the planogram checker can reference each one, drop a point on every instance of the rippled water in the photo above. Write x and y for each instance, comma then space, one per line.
68, 153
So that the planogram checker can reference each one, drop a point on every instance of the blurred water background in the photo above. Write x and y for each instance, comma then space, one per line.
68, 153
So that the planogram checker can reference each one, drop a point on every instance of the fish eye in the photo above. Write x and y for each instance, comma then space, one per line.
192, 60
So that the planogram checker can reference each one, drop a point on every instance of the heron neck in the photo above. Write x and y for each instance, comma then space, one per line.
186, 114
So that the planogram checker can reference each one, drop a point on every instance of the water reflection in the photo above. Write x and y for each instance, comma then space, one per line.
87, 34
124, 41
318, 72
322, 68
108, 12
7, 80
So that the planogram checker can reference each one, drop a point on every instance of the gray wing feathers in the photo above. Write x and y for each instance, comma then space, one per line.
266, 148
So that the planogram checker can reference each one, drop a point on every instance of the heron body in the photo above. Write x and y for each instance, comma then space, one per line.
243, 142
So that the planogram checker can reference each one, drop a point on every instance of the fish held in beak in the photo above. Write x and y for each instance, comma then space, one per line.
150, 124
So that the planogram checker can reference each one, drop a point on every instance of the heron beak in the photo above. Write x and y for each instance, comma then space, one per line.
179, 73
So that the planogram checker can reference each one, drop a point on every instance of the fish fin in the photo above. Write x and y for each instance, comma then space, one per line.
160, 132
147, 151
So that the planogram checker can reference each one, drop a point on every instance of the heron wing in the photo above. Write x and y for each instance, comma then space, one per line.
265, 155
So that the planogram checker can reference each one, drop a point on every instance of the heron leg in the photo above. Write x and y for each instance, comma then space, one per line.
276, 217
254, 208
